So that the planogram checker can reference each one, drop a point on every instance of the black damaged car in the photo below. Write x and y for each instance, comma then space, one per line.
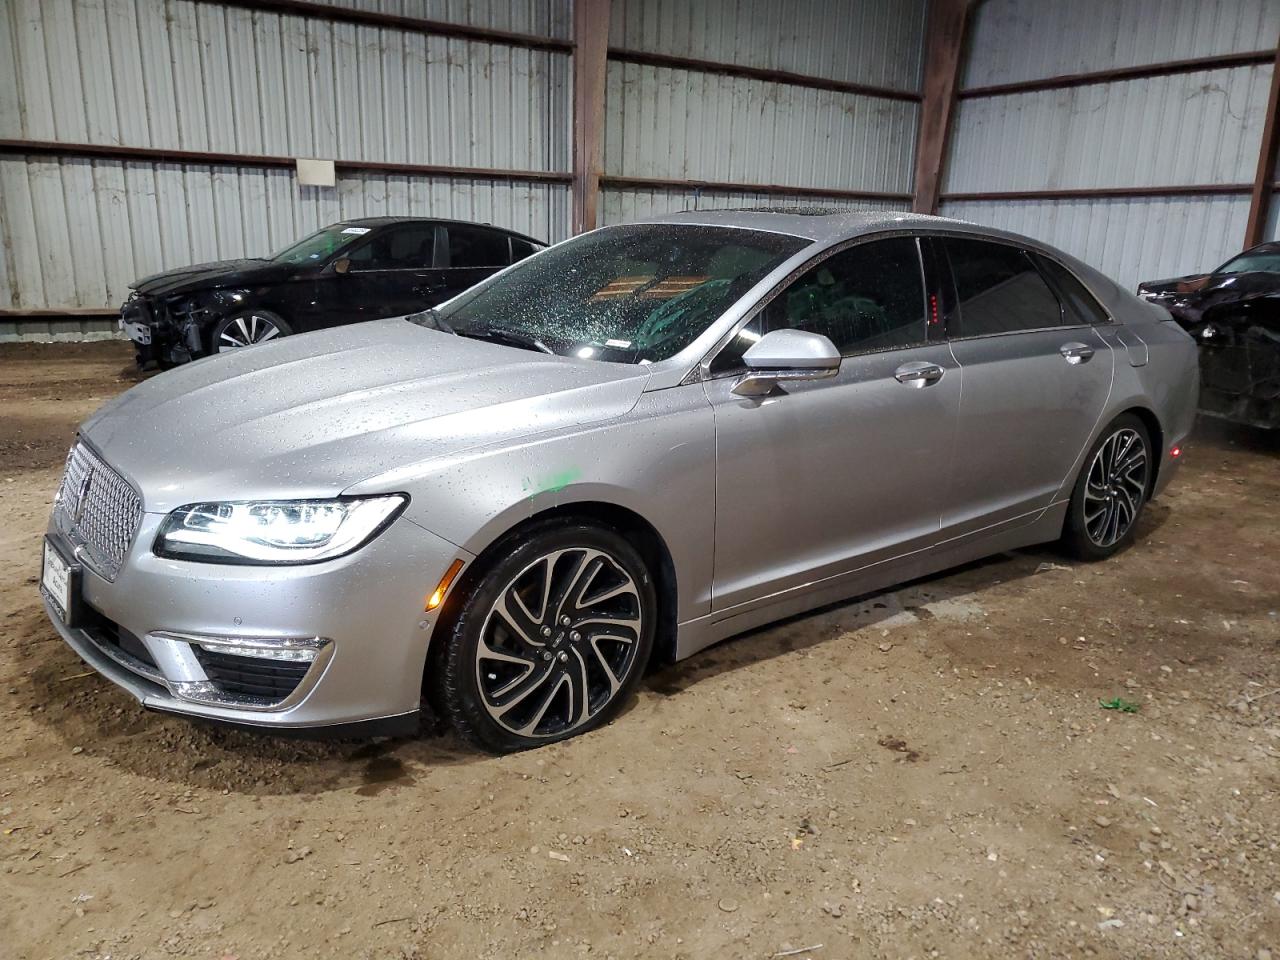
350, 271
1234, 314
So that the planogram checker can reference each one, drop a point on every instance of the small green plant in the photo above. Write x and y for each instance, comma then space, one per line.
1118, 703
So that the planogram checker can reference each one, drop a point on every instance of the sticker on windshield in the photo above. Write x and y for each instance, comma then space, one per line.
623, 344
357, 230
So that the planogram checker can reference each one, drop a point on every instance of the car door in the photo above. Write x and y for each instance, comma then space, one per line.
474, 253
390, 274
831, 475
1036, 379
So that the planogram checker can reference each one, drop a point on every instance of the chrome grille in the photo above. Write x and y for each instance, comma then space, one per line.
100, 509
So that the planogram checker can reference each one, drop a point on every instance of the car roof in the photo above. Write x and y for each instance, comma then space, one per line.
826, 224
384, 221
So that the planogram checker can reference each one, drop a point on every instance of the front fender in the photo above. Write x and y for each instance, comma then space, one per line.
657, 462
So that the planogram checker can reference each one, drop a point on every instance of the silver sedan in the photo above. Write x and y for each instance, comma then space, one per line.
632, 445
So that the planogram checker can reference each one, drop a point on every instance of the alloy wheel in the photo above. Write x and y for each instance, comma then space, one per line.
1116, 487
247, 331
559, 642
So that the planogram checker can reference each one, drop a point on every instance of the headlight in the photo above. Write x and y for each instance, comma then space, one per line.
274, 531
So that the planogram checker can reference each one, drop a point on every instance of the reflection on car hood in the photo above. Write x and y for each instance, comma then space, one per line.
208, 276
312, 415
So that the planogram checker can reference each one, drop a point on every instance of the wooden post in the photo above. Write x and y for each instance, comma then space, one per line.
943, 51
590, 51
1264, 181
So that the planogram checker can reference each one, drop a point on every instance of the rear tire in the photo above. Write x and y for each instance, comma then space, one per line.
247, 329
550, 641
1109, 494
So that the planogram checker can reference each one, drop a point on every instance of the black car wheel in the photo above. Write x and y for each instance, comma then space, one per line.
550, 641
1111, 491
247, 330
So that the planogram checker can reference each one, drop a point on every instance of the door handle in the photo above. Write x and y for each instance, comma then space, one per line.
1076, 352
918, 373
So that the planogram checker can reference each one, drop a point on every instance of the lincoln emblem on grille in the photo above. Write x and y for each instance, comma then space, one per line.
83, 497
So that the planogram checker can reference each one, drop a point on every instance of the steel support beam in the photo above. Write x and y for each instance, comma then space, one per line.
943, 54
1264, 179
249, 160
374, 18
591, 47
1221, 61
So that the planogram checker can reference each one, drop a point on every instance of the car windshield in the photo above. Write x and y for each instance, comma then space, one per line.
1259, 262
321, 244
630, 294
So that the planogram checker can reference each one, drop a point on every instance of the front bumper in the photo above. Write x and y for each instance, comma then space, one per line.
167, 632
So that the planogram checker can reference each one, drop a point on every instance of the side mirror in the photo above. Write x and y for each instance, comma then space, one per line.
341, 265
785, 356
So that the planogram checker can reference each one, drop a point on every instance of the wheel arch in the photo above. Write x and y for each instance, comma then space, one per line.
1156, 434
638, 531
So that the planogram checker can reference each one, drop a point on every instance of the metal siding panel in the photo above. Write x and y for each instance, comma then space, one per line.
197, 76
35, 117
1014, 40
862, 41
1130, 240
1203, 127
693, 125
12, 104
124, 75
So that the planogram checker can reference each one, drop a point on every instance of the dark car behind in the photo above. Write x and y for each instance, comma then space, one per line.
350, 271
1234, 314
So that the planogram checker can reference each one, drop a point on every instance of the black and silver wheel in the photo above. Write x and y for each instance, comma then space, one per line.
247, 330
552, 639
1111, 490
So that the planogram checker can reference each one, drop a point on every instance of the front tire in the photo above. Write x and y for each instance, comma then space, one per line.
247, 329
1102, 517
551, 640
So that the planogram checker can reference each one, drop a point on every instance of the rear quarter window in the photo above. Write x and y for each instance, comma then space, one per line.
1080, 304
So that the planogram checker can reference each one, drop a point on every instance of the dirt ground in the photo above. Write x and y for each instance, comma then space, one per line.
925, 773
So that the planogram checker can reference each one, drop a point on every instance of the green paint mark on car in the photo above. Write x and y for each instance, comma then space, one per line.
551, 483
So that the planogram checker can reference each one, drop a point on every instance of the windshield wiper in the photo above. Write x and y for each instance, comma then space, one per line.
509, 337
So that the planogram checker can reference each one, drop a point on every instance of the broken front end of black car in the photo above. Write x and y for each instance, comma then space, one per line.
165, 331
1235, 320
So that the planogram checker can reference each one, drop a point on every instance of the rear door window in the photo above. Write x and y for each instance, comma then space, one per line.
999, 289
478, 247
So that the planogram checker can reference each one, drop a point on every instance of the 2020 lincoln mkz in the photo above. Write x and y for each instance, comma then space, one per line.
630, 445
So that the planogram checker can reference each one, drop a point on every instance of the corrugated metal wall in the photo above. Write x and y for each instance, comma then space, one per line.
176, 74
99, 224
857, 41
1181, 129
681, 124
1015, 40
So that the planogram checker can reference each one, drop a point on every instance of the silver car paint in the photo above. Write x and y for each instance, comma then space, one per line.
766, 507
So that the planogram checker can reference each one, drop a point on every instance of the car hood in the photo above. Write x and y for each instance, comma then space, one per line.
208, 276
311, 415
